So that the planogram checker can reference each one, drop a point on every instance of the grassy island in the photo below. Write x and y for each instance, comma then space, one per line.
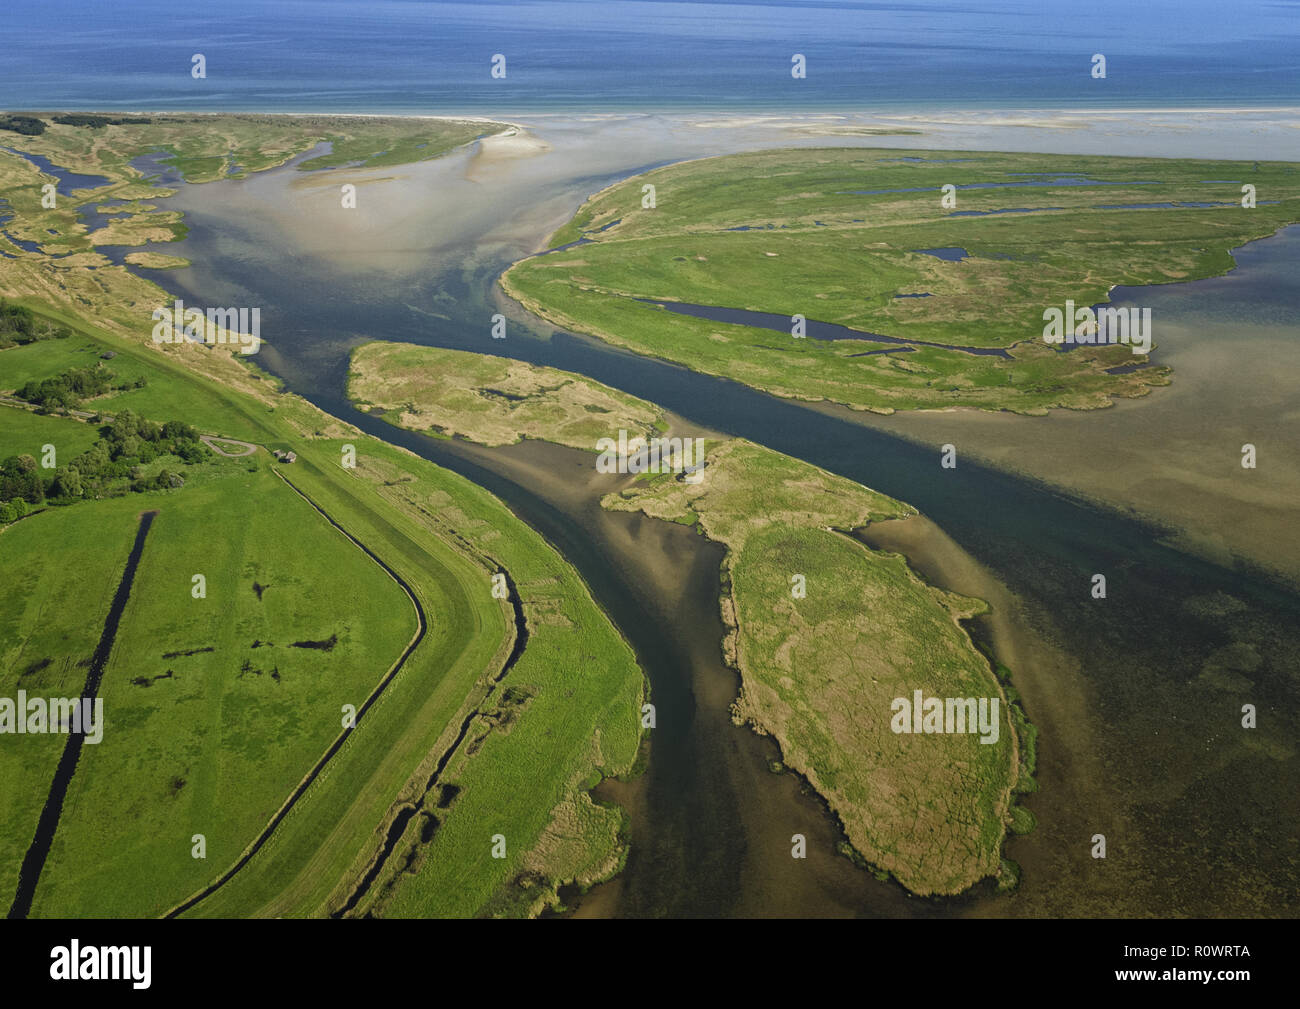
940, 293
825, 632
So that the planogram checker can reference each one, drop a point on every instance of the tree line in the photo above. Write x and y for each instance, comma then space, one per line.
34, 126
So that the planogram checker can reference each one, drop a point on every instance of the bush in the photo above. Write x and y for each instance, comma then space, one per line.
179, 429
191, 452
66, 484
19, 325
20, 479
27, 125
67, 390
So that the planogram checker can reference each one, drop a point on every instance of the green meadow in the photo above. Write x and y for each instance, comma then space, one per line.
216, 706
526, 760
836, 236
169, 389
61, 568
23, 432
566, 714
215, 742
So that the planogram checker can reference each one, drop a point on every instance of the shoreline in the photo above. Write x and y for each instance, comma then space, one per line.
749, 114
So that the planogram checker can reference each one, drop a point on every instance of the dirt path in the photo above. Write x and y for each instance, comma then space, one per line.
216, 444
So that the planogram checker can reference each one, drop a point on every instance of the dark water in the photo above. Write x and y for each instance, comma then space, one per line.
67, 180
90, 214
818, 330
1185, 795
431, 56
949, 253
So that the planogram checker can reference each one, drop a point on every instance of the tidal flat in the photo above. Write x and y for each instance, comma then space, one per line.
1176, 455
421, 258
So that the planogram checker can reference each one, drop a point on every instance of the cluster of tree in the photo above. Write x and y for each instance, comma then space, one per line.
19, 325
66, 391
32, 126
132, 437
112, 466
27, 125
96, 122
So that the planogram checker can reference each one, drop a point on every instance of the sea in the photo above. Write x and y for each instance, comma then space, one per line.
428, 56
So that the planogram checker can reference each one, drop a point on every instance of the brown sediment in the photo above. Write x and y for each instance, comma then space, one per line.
1174, 457
509, 145
710, 825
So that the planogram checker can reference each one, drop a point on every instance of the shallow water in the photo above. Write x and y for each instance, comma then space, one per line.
1137, 696
1175, 454
711, 824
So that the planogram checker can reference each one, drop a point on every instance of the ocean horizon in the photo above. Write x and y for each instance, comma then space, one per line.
572, 56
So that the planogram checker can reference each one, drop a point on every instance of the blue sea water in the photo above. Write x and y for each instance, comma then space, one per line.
428, 56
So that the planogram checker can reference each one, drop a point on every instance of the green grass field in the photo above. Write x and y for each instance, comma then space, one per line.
207, 407
834, 235
23, 432
212, 742
51, 616
217, 746
170, 389
578, 718
521, 773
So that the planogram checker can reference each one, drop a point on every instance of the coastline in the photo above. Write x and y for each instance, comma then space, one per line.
746, 113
